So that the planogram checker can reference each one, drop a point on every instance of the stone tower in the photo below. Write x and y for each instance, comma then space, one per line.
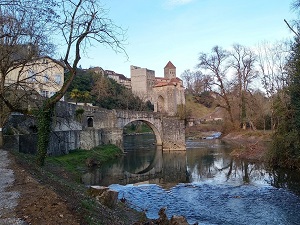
170, 71
165, 93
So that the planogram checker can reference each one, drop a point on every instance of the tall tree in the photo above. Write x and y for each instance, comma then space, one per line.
215, 65
187, 77
286, 140
81, 23
272, 60
242, 60
23, 37
76, 25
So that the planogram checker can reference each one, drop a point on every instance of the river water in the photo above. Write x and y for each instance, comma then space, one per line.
204, 184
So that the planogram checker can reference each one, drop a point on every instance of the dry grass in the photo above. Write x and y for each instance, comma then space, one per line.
195, 109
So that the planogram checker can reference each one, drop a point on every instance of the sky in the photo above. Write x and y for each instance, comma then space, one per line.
159, 31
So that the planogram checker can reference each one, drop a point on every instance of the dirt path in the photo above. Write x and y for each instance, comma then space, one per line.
24, 201
8, 198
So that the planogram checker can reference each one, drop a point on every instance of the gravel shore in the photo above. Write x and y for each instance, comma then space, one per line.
8, 199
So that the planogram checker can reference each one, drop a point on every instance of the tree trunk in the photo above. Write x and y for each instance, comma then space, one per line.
44, 132
1, 138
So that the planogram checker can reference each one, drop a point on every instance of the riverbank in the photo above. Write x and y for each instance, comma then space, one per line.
250, 145
54, 194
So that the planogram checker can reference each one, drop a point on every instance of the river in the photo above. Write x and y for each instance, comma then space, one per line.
204, 184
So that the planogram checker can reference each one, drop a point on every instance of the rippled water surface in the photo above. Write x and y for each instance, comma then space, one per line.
204, 184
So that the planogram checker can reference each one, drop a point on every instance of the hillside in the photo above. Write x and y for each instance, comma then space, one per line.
195, 109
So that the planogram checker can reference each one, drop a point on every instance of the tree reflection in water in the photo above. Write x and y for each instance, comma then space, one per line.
204, 161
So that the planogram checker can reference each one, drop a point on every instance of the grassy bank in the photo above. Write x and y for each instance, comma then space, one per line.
76, 161
60, 174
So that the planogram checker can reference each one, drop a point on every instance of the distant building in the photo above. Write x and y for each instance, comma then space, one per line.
119, 78
165, 93
43, 75
96, 69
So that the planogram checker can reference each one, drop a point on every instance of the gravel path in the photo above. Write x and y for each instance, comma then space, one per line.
8, 199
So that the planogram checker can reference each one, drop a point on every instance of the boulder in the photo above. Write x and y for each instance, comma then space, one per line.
104, 195
95, 191
108, 198
178, 220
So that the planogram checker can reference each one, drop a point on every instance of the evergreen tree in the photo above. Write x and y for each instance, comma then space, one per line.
286, 140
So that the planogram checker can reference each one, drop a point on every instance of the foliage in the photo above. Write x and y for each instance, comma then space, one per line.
285, 150
78, 113
104, 92
205, 99
136, 127
83, 81
44, 131
107, 93
182, 112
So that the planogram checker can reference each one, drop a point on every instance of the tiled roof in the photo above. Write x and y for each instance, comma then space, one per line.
122, 77
176, 79
170, 65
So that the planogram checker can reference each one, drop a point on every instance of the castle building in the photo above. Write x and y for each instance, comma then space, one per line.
165, 93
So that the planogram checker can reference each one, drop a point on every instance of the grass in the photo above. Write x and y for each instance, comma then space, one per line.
76, 160
197, 110
140, 128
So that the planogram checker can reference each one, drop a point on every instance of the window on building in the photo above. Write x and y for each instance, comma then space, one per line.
57, 79
90, 122
45, 93
31, 76
46, 78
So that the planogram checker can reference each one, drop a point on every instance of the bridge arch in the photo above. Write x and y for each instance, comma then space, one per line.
155, 130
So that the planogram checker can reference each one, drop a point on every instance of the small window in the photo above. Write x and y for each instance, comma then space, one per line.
45, 93
46, 78
57, 79
31, 76
90, 122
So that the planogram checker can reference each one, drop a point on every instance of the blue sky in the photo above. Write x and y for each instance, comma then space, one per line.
177, 30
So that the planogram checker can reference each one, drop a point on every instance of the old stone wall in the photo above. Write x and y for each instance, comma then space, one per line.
172, 97
174, 134
142, 80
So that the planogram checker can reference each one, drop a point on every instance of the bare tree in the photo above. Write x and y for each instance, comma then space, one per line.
215, 65
76, 25
242, 60
272, 61
23, 37
82, 23
187, 77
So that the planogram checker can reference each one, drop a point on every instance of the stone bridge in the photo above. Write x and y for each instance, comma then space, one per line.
93, 127
102, 126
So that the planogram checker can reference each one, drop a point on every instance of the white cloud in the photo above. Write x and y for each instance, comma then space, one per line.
177, 2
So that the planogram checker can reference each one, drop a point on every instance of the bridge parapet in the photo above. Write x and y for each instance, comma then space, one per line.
103, 126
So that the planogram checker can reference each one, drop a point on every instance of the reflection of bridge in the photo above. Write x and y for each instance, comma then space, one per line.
102, 126
165, 168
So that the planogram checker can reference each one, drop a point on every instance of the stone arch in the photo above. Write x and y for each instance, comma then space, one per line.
153, 128
160, 104
90, 122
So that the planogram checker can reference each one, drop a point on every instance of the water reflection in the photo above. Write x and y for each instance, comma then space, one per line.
204, 184
204, 161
